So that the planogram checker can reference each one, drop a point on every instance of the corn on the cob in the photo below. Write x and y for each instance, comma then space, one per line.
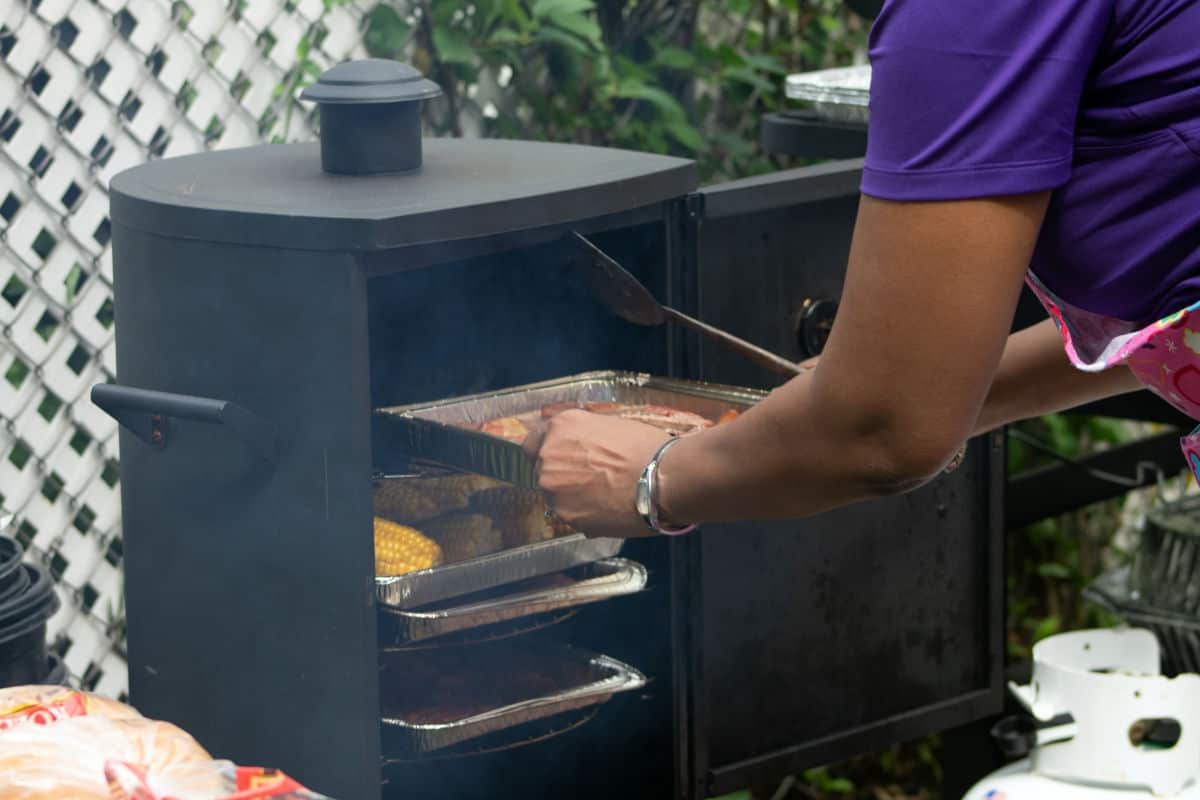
507, 501
400, 549
464, 535
559, 527
415, 500
519, 514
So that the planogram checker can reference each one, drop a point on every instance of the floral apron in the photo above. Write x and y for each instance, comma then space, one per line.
1164, 356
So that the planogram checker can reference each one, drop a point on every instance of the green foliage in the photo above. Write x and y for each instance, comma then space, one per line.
821, 780
687, 77
1051, 561
901, 772
305, 71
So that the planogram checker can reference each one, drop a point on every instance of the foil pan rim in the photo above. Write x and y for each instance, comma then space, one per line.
633, 379
624, 678
471, 563
625, 573
495, 569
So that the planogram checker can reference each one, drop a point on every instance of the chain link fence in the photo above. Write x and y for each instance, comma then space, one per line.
89, 88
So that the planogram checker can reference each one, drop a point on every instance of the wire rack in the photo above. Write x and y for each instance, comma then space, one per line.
89, 88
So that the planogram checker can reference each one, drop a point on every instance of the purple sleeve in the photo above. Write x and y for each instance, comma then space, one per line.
977, 98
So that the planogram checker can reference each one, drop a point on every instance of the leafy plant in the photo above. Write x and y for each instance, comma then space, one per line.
1051, 561
306, 70
901, 772
686, 77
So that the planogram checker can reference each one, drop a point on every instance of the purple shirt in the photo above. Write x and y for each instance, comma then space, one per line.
1098, 100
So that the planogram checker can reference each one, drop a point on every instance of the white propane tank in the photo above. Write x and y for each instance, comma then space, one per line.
1118, 729
1019, 782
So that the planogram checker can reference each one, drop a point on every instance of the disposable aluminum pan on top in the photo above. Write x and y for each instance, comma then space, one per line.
838, 95
444, 432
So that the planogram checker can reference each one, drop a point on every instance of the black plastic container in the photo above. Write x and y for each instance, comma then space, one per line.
23, 629
56, 674
13, 579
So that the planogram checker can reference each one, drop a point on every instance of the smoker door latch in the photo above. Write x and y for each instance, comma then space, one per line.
145, 414
813, 323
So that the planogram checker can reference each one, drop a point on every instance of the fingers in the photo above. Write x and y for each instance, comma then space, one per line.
533, 442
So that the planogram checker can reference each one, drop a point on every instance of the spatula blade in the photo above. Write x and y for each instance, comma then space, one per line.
616, 289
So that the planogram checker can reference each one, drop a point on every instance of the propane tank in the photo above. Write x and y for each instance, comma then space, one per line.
1103, 724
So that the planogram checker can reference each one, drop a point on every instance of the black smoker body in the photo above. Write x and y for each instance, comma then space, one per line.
298, 301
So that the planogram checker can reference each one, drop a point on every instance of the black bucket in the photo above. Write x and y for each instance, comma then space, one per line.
57, 674
23, 629
13, 579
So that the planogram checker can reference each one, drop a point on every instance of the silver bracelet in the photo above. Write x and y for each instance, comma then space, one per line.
646, 496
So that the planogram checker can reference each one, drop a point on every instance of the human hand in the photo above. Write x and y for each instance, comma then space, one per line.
589, 465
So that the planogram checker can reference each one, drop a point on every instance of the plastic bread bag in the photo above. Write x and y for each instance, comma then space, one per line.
41, 705
67, 757
210, 780
60, 743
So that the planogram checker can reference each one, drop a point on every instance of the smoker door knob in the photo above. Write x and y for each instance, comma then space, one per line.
814, 322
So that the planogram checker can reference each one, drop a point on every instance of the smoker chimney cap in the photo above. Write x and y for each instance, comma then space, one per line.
371, 116
371, 80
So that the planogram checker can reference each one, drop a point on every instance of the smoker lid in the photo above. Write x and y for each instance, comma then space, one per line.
278, 195
371, 80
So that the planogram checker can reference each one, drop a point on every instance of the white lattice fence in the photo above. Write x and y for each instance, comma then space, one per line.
87, 89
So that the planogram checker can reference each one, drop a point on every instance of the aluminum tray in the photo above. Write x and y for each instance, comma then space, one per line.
611, 577
434, 432
839, 95
606, 677
522, 736
428, 586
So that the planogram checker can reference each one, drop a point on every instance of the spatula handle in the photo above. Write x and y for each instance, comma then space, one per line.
764, 358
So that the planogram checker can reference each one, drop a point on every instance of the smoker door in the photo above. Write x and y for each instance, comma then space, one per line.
815, 639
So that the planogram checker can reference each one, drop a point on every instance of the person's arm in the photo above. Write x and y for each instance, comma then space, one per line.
929, 298
1035, 377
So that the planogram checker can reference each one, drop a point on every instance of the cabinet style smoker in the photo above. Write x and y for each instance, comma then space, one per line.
267, 310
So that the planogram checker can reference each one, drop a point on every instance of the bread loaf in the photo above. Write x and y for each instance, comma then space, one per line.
65, 759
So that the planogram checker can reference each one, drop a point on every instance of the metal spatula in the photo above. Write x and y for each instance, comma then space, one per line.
625, 296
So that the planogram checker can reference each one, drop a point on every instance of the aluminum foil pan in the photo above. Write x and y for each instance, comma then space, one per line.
598, 678
522, 736
839, 95
428, 586
435, 432
594, 582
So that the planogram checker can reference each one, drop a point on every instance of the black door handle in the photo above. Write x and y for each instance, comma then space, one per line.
144, 413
